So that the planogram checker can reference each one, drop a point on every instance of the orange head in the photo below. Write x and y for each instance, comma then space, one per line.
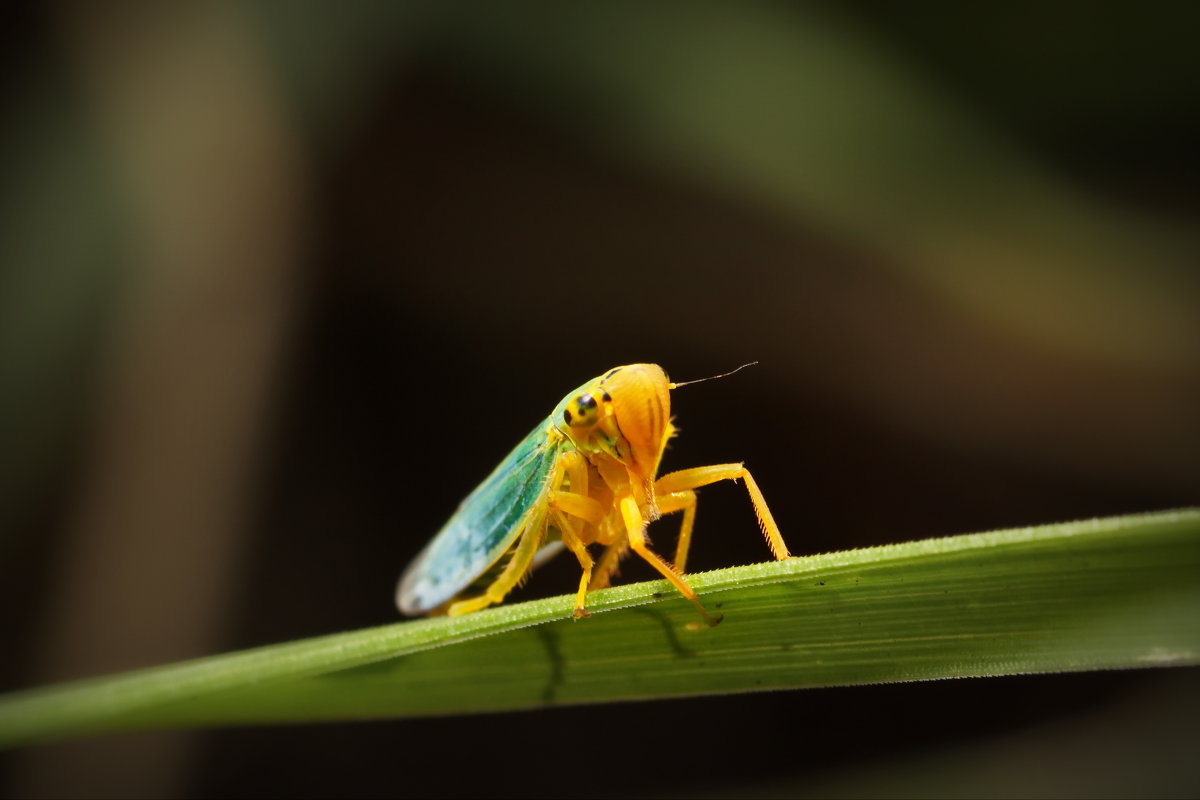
626, 413
641, 406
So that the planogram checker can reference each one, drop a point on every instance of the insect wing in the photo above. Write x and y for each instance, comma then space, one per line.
483, 528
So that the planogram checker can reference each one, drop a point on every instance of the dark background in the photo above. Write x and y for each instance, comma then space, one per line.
283, 281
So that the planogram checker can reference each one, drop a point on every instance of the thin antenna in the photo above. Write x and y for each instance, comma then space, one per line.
713, 377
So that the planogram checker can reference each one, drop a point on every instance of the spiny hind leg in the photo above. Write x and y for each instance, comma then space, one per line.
694, 478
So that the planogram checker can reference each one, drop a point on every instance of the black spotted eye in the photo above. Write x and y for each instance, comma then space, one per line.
581, 411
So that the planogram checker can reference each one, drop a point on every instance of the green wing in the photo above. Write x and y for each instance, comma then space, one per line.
483, 528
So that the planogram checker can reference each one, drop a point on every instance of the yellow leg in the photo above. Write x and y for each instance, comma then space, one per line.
686, 502
518, 565
581, 506
576, 468
568, 464
696, 477
609, 561
576, 503
571, 539
635, 529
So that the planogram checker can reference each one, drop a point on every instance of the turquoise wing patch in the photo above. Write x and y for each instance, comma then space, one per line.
483, 528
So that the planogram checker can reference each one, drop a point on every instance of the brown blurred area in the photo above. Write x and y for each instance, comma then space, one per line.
280, 282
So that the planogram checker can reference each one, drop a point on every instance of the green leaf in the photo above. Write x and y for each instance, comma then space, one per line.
1113, 593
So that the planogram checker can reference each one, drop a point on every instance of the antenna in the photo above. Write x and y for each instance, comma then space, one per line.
713, 377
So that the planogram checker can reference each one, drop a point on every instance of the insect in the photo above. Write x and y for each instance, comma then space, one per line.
586, 475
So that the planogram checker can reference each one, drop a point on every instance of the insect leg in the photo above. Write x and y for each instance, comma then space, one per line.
696, 477
684, 501
571, 539
635, 527
569, 465
585, 508
611, 534
575, 467
575, 501
518, 565
607, 566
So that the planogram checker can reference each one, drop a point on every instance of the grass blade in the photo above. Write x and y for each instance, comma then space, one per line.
1122, 592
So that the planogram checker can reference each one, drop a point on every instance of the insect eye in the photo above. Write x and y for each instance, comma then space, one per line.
581, 411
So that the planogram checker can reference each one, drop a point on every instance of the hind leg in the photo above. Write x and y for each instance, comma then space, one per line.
689, 479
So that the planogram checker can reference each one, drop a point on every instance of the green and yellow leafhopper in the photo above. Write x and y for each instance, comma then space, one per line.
587, 475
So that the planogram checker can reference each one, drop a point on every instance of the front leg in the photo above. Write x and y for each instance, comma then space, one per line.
635, 527
575, 503
570, 538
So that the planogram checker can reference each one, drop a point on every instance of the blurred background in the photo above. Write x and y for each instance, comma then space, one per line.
281, 282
